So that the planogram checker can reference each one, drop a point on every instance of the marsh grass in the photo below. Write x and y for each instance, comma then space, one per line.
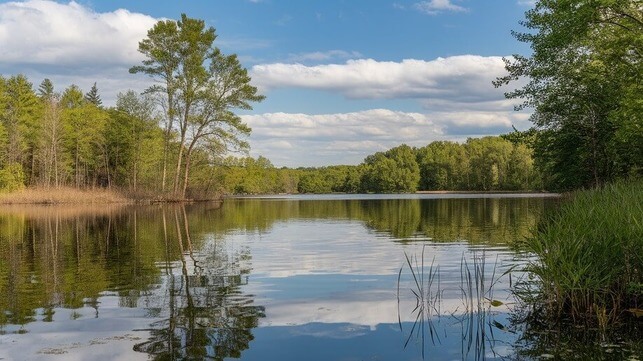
588, 264
63, 195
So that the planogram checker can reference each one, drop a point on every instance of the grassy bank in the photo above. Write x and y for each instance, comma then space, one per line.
589, 264
63, 196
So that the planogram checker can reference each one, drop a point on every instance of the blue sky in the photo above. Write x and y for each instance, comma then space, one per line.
343, 79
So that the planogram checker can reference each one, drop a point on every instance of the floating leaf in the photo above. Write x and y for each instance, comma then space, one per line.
499, 325
495, 303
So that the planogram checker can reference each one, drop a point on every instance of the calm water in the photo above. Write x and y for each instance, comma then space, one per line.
291, 278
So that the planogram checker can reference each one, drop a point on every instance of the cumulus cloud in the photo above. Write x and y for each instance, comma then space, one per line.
433, 7
298, 139
47, 32
463, 78
70, 43
455, 93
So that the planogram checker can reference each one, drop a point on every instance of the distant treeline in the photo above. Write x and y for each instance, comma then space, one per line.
489, 163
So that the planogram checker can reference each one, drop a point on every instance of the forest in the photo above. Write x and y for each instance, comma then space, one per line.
174, 140
51, 139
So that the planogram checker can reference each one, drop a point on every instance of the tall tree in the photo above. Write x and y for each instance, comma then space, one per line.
584, 84
162, 51
46, 89
93, 97
200, 86
51, 158
213, 122
20, 120
84, 137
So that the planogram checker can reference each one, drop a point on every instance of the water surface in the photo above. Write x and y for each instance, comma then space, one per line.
279, 278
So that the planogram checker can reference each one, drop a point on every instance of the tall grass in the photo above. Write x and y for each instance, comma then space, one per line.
589, 256
63, 195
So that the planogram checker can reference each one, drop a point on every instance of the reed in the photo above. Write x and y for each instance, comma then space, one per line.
589, 257
63, 195
476, 316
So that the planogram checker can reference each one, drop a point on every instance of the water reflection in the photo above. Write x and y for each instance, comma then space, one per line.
258, 279
204, 313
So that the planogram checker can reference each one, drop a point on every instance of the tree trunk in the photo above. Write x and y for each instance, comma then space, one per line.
186, 174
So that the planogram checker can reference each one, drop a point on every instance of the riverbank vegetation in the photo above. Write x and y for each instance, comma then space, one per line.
590, 257
583, 81
63, 195
479, 164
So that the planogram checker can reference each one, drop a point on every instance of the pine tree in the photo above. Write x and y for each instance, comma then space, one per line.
93, 97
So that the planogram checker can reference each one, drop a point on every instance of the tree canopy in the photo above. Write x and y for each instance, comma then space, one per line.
584, 85
200, 88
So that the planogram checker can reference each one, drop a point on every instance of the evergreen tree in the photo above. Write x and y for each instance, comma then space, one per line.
93, 97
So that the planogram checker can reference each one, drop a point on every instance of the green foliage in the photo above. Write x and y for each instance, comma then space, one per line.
133, 140
12, 178
46, 89
590, 254
92, 96
201, 87
584, 86
394, 171
19, 117
84, 138
443, 166
254, 176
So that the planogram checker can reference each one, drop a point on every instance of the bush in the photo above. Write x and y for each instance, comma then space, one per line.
12, 178
589, 261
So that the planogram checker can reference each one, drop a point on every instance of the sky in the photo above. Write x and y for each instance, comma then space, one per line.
342, 78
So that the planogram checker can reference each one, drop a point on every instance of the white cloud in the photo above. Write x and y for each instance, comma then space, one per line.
433, 7
47, 32
297, 139
464, 78
456, 93
73, 44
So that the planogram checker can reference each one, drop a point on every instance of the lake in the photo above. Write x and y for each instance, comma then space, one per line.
335, 277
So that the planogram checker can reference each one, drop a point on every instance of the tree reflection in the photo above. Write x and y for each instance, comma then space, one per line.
206, 314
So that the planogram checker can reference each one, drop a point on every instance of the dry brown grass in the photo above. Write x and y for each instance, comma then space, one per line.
63, 196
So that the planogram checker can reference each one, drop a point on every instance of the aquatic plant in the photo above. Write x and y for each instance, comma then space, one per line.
475, 316
589, 257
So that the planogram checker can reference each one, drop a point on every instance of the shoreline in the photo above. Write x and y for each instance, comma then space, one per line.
91, 196
101, 196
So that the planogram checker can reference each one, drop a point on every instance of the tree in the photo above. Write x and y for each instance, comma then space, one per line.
200, 86
84, 125
132, 139
584, 86
213, 122
46, 89
395, 170
489, 162
93, 97
51, 140
443, 166
20, 121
